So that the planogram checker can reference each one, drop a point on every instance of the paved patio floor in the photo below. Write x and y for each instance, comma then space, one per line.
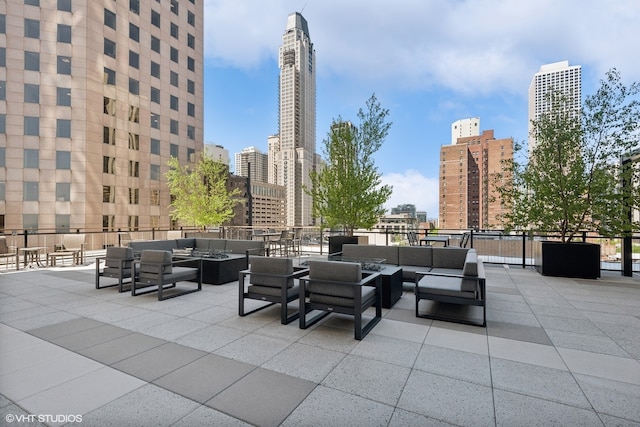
555, 352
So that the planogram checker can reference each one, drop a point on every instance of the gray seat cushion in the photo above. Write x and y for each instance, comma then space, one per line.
471, 264
415, 255
447, 286
335, 271
271, 291
449, 257
368, 293
262, 269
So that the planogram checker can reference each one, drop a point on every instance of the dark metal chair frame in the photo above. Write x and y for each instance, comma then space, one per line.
167, 281
283, 299
120, 275
359, 306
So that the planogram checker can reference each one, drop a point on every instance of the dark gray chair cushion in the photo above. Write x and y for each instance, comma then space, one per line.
368, 292
471, 264
449, 257
151, 258
415, 255
264, 268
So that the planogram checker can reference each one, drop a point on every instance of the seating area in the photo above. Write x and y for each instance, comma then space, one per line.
72, 247
555, 351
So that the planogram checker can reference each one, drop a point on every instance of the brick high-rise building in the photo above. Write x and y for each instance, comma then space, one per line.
466, 192
95, 96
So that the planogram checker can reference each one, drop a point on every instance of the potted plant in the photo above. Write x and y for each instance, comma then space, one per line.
571, 181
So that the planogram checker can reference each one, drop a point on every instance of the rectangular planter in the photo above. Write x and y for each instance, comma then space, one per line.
574, 259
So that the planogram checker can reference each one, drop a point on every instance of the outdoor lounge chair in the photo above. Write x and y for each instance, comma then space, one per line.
271, 280
118, 265
338, 287
7, 253
158, 271
72, 246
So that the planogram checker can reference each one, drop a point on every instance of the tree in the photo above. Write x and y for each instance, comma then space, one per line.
347, 190
572, 181
199, 193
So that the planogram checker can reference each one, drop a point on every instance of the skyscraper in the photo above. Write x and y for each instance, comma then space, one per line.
292, 155
258, 161
94, 99
467, 199
556, 76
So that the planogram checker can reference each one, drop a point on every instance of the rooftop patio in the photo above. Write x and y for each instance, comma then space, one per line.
555, 350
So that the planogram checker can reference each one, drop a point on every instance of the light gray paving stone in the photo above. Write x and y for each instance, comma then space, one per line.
537, 381
448, 399
205, 416
327, 407
174, 329
586, 342
19, 416
389, 350
610, 421
146, 321
121, 348
518, 332
214, 315
368, 378
262, 397
90, 337
583, 326
253, 348
402, 418
613, 398
33, 322
457, 364
211, 338
513, 409
149, 405
305, 361
158, 361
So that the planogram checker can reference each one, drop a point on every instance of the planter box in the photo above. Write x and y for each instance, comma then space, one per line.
575, 259
336, 242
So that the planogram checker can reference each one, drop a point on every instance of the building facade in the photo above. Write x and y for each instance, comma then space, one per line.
259, 164
467, 197
292, 155
216, 152
465, 127
95, 96
556, 76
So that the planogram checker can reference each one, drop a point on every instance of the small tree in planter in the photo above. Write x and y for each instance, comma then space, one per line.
572, 181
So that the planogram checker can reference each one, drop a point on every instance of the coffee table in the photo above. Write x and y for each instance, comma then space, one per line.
391, 284
217, 270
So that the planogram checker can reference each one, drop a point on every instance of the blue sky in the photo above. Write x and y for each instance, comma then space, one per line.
429, 62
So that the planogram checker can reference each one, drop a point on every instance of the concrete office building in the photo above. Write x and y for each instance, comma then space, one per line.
467, 198
259, 164
556, 76
292, 155
95, 96
216, 152
465, 127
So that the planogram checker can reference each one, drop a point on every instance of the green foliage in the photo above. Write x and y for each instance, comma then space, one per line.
199, 193
347, 191
571, 182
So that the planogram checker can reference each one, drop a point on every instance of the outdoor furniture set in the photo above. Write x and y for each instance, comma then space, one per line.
71, 247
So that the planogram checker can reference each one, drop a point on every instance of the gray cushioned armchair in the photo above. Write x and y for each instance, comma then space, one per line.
118, 265
271, 280
338, 287
158, 271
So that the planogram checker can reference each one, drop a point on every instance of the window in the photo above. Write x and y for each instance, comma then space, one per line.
155, 146
174, 102
134, 6
191, 155
134, 86
109, 19
173, 150
134, 141
134, 59
32, 126
174, 30
154, 172
134, 168
108, 194
134, 196
191, 132
3, 152
155, 95
191, 109
191, 18
155, 18
134, 114
109, 48
155, 69
32, 2
2, 197
173, 127
154, 197
30, 222
133, 222
3, 90
3, 123
155, 44
31, 61
191, 86
63, 192
174, 55
108, 164
109, 106
191, 63
63, 128
109, 76
174, 6
173, 79
31, 93
108, 222
32, 28
134, 32
155, 121
64, 65
63, 96
64, 5
63, 223
63, 160
30, 191
191, 41
64, 33
31, 158
108, 135
3, 23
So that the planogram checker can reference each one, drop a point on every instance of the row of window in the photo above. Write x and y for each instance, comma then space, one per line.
134, 57
134, 6
63, 5
133, 168
110, 105
134, 30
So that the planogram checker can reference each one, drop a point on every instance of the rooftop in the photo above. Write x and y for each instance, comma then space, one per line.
555, 351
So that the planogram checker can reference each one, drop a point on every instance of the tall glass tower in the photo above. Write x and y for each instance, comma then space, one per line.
293, 153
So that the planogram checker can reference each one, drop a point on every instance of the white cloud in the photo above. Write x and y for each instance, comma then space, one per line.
464, 45
411, 187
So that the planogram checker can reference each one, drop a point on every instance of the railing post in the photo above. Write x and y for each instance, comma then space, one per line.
471, 239
524, 249
26, 233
